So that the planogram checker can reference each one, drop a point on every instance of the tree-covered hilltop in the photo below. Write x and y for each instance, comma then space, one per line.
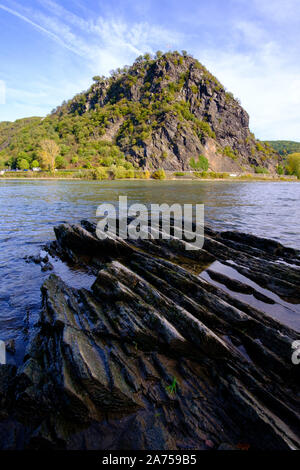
284, 147
166, 112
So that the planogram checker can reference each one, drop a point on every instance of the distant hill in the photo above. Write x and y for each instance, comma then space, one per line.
284, 147
166, 111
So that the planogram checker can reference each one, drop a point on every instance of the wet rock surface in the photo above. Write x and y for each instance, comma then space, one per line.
156, 355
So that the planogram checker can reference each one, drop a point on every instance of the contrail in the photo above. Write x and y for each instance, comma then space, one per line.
40, 28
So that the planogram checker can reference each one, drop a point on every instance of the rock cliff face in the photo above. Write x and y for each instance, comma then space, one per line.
165, 112
161, 352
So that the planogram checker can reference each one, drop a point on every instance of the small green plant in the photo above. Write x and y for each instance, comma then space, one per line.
74, 160
261, 170
280, 170
260, 147
228, 152
173, 387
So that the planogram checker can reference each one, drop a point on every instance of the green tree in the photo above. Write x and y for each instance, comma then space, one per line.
201, 164
34, 164
23, 164
60, 162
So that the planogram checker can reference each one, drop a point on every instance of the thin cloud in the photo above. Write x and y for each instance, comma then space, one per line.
279, 10
104, 43
38, 27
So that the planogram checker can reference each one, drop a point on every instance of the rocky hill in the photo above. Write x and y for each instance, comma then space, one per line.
164, 112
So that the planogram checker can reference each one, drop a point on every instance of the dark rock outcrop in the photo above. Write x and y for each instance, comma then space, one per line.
161, 353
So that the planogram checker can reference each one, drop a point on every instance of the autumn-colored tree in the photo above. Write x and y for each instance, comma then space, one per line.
293, 164
48, 153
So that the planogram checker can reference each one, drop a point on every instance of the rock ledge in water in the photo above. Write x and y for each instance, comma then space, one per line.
155, 356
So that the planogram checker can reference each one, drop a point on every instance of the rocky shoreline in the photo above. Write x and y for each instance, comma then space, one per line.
165, 351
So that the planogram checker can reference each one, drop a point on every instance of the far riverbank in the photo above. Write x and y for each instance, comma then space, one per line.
249, 178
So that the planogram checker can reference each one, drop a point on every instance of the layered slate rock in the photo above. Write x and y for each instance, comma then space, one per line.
165, 351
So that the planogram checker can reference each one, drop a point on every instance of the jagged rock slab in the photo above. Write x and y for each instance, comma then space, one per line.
155, 355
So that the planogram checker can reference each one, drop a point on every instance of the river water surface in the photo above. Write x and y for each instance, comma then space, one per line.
30, 210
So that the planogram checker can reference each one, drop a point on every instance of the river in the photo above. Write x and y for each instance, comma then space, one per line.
30, 210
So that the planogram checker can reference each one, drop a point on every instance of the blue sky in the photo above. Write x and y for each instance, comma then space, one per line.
50, 50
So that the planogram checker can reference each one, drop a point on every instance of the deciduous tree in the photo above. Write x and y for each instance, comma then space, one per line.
48, 153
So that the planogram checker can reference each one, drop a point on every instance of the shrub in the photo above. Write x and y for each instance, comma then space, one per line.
260, 147
229, 152
211, 174
119, 172
74, 160
246, 177
280, 170
142, 174
204, 129
127, 165
130, 173
60, 162
99, 173
201, 164
261, 170
159, 174
179, 173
